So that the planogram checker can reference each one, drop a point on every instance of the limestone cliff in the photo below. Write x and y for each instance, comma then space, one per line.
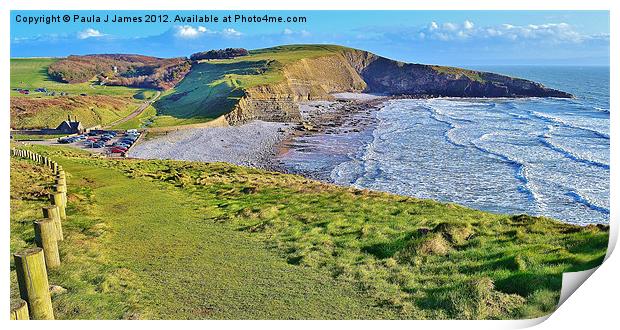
306, 79
350, 70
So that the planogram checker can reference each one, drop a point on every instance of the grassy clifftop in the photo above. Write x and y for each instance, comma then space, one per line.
269, 82
266, 84
172, 239
279, 75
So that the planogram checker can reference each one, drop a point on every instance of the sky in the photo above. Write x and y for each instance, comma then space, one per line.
433, 37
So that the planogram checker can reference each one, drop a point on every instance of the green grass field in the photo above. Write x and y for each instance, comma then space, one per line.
213, 88
173, 239
101, 105
31, 73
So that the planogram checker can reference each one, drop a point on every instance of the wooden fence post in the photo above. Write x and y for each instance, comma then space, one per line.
19, 309
56, 198
61, 189
53, 212
33, 284
45, 238
60, 180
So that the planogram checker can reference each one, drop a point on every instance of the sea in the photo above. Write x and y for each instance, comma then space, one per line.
538, 156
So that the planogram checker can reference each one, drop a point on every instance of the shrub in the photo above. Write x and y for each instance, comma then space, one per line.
219, 54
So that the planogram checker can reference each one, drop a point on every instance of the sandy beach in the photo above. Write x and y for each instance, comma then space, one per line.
260, 143
251, 144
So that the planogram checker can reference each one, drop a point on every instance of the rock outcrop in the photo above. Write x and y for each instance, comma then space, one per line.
306, 79
351, 70
390, 77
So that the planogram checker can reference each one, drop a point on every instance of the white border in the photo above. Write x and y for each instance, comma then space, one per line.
593, 306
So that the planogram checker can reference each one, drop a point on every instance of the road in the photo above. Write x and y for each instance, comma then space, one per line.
138, 111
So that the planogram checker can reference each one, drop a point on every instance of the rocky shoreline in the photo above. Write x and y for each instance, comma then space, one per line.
348, 115
259, 143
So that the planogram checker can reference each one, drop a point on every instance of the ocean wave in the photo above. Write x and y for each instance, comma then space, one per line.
452, 126
559, 121
520, 171
544, 139
587, 202
605, 110
361, 160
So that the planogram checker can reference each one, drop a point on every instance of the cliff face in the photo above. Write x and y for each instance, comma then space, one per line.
395, 78
352, 70
304, 80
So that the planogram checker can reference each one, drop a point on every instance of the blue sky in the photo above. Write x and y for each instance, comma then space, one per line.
438, 37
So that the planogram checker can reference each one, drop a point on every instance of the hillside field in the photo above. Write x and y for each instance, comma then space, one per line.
175, 239
101, 105
213, 87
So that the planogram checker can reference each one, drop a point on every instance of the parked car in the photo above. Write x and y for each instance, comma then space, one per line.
122, 145
99, 144
117, 150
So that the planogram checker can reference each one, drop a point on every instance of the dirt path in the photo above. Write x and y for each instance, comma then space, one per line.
138, 111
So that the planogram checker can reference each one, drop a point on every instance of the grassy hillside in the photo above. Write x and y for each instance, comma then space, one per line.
101, 105
172, 239
121, 70
214, 87
31, 73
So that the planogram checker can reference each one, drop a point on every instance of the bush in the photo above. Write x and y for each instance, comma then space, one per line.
219, 54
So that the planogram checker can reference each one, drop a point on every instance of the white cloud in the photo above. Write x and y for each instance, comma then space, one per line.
89, 33
550, 32
292, 33
230, 32
449, 26
186, 32
191, 32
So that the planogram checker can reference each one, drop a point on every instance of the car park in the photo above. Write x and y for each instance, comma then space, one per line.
106, 141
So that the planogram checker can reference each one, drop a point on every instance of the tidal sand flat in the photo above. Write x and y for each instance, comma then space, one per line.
250, 144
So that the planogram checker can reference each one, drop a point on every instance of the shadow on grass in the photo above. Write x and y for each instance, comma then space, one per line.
209, 91
526, 283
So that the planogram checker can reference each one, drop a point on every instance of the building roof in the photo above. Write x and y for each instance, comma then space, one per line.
73, 125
